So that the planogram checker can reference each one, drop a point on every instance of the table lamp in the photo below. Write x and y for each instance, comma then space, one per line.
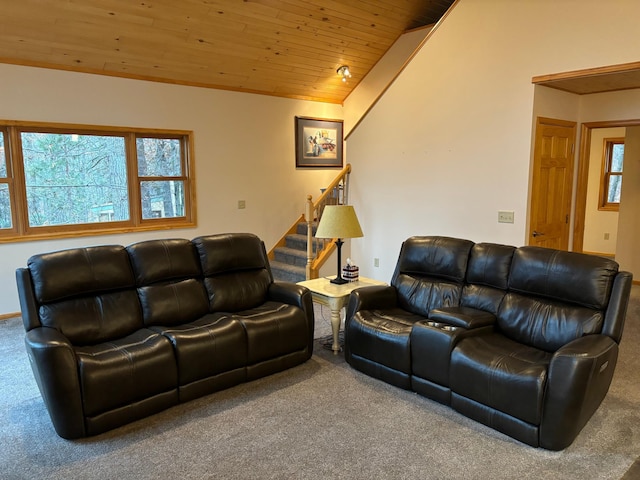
339, 221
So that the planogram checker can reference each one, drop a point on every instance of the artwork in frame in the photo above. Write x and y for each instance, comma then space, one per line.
318, 142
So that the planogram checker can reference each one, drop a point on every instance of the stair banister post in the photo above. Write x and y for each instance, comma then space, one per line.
308, 216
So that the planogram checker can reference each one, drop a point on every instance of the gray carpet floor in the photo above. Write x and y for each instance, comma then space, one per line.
321, 419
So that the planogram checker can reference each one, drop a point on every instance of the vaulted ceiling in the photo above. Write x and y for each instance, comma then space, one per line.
288, 48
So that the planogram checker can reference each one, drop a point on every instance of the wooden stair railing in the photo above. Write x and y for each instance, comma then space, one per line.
336, 193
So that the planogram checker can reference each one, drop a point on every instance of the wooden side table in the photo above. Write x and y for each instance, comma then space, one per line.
335, 297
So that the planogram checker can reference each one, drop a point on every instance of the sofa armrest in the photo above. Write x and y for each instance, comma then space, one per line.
53, 362
288, 292
377, 297
578, 379
299, 296
617, 308
26, 295
465, 317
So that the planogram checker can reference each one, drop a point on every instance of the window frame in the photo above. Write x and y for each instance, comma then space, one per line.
606, 174
22, 231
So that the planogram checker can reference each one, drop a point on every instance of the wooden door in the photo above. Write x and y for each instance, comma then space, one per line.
552, 183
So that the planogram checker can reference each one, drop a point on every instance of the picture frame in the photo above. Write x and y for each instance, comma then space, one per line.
319, 143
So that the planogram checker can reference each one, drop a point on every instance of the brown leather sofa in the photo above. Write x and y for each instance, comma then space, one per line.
115, 334
524, 340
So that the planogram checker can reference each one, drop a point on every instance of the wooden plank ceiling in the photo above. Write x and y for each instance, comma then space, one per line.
288, 48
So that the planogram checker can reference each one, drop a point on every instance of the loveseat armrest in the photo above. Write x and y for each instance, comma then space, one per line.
378, 297
466, 317
578, 379
54, 366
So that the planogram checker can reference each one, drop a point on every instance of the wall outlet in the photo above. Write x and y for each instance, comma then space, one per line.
376, 262
506, 216
242, 204
606, 236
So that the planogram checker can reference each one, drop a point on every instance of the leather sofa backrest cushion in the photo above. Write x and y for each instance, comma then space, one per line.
545, 324
88, 294
234, 292
430, 273
95, 318
230, 252
169, 279
164, 260
80, 271
577, 278
236, 270
421, 295
487, 276
489, 264
437, 257
173, 303
482, 297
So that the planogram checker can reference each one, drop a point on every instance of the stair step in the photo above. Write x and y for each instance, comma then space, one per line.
301, 229
283, 272
299, 242
291, 256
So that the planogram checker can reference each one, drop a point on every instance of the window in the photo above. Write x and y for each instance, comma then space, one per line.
72, 180
611, 181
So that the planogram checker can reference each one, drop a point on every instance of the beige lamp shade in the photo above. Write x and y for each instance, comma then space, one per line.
339, 221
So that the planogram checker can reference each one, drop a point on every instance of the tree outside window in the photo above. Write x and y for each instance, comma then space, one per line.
62, 180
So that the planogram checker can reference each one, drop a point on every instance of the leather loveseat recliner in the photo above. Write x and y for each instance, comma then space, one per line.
524, 340
115, 334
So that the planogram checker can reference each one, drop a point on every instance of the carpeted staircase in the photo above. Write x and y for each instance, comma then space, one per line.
290, 261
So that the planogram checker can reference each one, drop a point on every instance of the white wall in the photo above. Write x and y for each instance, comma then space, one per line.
449, 144
597, 223
244, 150
379, 77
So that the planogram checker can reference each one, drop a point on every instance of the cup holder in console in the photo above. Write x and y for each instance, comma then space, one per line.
442, 326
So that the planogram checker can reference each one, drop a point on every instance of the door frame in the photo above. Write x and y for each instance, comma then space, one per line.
580, 209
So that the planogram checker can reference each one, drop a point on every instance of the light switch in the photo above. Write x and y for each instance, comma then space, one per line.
505, 216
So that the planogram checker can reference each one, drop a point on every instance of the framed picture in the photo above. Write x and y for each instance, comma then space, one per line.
318, 142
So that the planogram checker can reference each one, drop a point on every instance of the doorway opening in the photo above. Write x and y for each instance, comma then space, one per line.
588, 131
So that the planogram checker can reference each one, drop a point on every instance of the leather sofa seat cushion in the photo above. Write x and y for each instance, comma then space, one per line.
382, 336
156, 261
273, 329
211, 345
568, 277
80, 272
94, 319
173, 303
121, 372
502, 374
545, 324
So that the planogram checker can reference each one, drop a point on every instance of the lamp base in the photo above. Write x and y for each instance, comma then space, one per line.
339, 281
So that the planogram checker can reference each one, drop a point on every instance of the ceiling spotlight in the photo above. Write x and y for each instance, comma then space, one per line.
344, 72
